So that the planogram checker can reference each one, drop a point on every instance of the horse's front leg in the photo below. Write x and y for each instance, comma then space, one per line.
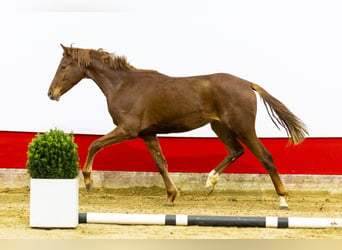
119, 134
159, 159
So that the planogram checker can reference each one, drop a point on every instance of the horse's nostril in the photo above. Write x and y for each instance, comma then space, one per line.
53, 96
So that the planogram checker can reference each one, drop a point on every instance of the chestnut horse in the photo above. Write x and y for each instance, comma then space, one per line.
144, 103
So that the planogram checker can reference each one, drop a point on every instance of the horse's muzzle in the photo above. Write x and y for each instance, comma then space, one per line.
53, 96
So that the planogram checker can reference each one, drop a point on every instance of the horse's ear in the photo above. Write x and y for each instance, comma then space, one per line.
66, 51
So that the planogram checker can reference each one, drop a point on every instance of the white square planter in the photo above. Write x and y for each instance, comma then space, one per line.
54, 203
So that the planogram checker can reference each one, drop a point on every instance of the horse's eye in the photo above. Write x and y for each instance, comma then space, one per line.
63, 67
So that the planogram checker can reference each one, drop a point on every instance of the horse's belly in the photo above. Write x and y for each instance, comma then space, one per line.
179, 124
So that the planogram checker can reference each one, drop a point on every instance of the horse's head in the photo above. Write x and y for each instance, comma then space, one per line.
68, 74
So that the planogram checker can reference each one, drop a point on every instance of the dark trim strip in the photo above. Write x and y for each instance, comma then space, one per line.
283, 222
82, 218
228, 221
170, 220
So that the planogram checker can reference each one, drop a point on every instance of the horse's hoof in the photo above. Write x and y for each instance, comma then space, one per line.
168, 204
284, 207
209, 190
89, 185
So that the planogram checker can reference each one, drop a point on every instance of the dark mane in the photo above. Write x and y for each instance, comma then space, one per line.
83, 57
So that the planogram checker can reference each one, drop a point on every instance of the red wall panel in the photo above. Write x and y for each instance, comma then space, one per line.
314, 156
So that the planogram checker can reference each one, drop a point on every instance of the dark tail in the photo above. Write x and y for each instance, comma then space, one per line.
280, 114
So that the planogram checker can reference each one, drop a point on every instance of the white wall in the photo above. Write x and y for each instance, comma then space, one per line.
291, 48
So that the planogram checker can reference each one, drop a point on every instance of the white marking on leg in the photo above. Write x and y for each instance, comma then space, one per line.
283, 203
212, 178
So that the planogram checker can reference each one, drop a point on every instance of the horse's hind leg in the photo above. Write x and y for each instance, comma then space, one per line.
266, 159
159, 159
234, 148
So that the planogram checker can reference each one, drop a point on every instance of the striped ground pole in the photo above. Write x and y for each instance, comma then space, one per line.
220, 221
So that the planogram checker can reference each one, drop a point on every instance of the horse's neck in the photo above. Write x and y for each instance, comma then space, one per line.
106, 79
